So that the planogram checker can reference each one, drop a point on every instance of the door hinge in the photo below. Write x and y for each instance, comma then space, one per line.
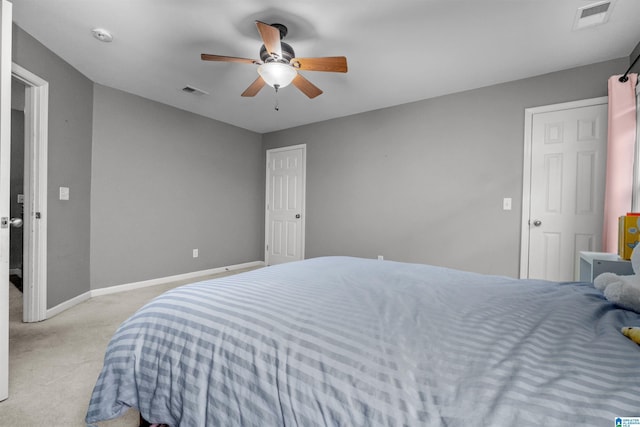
37, 215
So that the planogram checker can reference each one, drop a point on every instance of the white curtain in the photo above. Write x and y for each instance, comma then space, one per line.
620, 157
635, 198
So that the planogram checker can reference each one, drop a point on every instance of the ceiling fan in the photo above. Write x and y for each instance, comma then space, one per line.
278, 66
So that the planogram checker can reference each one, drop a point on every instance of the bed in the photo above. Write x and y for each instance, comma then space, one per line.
341, 341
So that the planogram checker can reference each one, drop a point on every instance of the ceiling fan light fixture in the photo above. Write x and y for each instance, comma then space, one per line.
278, 66
277, 74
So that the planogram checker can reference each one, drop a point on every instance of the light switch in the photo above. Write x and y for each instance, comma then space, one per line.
64, 193
506, 203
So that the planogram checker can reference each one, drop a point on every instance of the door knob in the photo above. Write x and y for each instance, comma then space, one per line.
16, 222
537, 223
297, 216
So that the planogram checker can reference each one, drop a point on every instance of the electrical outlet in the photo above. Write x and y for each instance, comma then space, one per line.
195, 253
64, 193
506, 203
380, 258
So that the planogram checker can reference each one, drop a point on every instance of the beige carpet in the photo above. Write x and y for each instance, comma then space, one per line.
53, 365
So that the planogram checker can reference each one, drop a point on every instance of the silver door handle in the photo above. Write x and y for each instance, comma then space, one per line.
537, 223
16, 222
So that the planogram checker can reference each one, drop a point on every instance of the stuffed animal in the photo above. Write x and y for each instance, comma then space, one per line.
622, 290
632, 332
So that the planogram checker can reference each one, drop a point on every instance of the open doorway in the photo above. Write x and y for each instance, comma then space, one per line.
16, 201
34, 193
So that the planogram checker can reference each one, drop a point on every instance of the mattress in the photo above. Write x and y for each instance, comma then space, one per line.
341, 341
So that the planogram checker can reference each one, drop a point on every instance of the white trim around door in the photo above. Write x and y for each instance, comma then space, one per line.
34, 275
526, 175
291, 219
6, 11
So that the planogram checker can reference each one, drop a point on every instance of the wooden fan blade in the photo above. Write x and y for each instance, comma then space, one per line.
254, 88
306, 86
208, 57
335, 64
271, 38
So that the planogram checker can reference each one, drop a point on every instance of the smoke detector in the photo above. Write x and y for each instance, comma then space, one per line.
102, 35
593, 14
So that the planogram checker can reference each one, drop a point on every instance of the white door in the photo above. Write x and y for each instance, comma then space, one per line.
5, 161
285, 201
567, 175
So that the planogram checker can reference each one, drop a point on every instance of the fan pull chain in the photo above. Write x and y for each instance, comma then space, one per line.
276, 107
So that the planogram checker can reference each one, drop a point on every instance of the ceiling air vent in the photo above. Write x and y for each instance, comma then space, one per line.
194, 90
592, 14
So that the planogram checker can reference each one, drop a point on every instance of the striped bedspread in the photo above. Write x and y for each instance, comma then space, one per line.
341, 341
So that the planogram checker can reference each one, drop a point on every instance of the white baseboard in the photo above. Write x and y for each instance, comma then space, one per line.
145, 283
163, 280
67, 304
16, 271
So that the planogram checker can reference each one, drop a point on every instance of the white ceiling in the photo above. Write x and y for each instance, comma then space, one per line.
398, 51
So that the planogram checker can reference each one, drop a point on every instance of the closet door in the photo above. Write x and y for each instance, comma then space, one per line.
285, 205
567, 175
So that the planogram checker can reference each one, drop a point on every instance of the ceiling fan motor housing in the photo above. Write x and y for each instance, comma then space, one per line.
287, 54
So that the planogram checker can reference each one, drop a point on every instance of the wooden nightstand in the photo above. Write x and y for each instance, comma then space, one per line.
593, 264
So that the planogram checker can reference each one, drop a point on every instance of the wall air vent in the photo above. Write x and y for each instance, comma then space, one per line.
194, 90
594, 10
593, 14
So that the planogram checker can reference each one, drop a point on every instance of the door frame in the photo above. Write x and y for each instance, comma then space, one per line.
6, 10
36, 112
267, 228
526, 168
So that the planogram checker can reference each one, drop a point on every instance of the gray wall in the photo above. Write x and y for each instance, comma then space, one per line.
17, 95
165, 182
424, 182
70, 120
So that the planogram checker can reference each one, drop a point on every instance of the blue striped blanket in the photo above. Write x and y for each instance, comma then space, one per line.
341, 341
